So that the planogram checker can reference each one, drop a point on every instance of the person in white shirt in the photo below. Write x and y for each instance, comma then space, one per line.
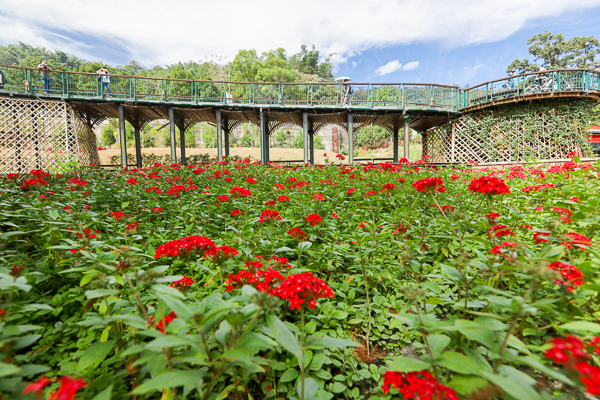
104, 77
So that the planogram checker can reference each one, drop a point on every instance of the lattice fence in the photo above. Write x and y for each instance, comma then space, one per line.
38, 134
485, 136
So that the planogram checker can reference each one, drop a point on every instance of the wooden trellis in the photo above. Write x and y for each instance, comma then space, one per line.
473, 138
41, 134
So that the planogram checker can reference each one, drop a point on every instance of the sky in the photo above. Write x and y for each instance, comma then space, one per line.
430, 41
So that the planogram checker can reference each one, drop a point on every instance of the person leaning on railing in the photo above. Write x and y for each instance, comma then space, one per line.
45, 69
104, 77
347, 89
509, 84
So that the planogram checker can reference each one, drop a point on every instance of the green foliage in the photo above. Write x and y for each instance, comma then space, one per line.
107, 137
372, 136
209, 136
554, 52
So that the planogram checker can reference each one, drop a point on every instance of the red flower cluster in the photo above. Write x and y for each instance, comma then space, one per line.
350, 191
500, 230
157, 209
38, 173
541, 237
269, 216
341, 157
219, 254
318, 197
283, 199
132, 226
67, 390
33, 182
166, 320
572, 353
235, 213
223, 198
270, 203
302, 288
183, 283
417, 385
448, 208
237, 191
578, 240
537, 188
389, 186
498, 250
491, 217
297, 234
370, 193
118, 215
255, 275
572, 276
184, 246
77, 182
400, 229
154, 189
564, 213
313, 219
250, 180
427, 185
132, 181
489, 185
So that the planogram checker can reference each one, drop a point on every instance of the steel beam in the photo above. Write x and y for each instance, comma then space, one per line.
406, 140
122, 136
172, 134
395, 145
138, 147
350, 140
304, 136
219, 145
182, 144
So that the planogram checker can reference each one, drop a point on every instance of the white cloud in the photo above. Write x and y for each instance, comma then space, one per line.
160, 32
411, 65
388, 68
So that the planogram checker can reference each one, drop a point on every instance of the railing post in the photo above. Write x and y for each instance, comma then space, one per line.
131, 87
262, 138
194, 92
486, 92
312, 91
406, 139
219, 127
68, 87
403, 97
134, 88
370, 96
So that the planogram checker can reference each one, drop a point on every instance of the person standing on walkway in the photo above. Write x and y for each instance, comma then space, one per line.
347, 91
2, 80
45, 73
104, 77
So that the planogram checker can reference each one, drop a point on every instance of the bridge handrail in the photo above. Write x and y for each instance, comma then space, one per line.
527, 74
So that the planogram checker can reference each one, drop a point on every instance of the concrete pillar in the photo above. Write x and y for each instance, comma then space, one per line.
395, 145
350, 140
122, 136
305, 136
226, 142
172, 134
311, 146
138, 147
263, 145
219, 127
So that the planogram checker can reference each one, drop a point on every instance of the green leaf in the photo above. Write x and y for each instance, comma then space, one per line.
289, 375
171, 341
459, 363
93, 294
512, 387
171, 379
284, 337
338, 387
95, 354
476, 332
535, 364
310, 388
8, 369
581, 326
257, 341
329, 342
106, 394
405, 364
467, 384
438, 343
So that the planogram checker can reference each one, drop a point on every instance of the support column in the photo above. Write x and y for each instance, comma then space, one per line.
172, 134
263, 145
182, 144
350, 140
219, 127
395, 145
406, 140
138, 147
311, 146
304, 136
226, 141
122, 136
267, 139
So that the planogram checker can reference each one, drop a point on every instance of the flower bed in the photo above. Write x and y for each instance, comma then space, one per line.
238, 281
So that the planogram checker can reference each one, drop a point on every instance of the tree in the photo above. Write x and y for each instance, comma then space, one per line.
107, 138
307, 62
554, 52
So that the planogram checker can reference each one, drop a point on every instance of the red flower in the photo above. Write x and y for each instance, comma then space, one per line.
318, 197
237, 191
283, 199
389, 186
183, 283
166, 320
132, 181
302, 288
157, 209
417, 385
297, 234
279, 186
37, 386
235, 213
334, 215
350, 191
572, 276
400, 229
370, 193
33, 182
12, 176
537, 188
448, 208
223, 198
250, 180
500, 230
578, 240
68, 388
132, 226
118, 215
341, 157
219, 254
269, 216
184, 246
313, 219
489, 185
154, 189
256, 275
427, 185
270, 203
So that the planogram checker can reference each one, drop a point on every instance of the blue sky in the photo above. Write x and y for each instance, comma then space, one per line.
438, 41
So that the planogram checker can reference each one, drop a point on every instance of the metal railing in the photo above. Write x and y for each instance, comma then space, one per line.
401, 96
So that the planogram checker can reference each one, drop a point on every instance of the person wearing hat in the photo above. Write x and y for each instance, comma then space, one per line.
510, 83
45, 69
104, 77
347, 91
